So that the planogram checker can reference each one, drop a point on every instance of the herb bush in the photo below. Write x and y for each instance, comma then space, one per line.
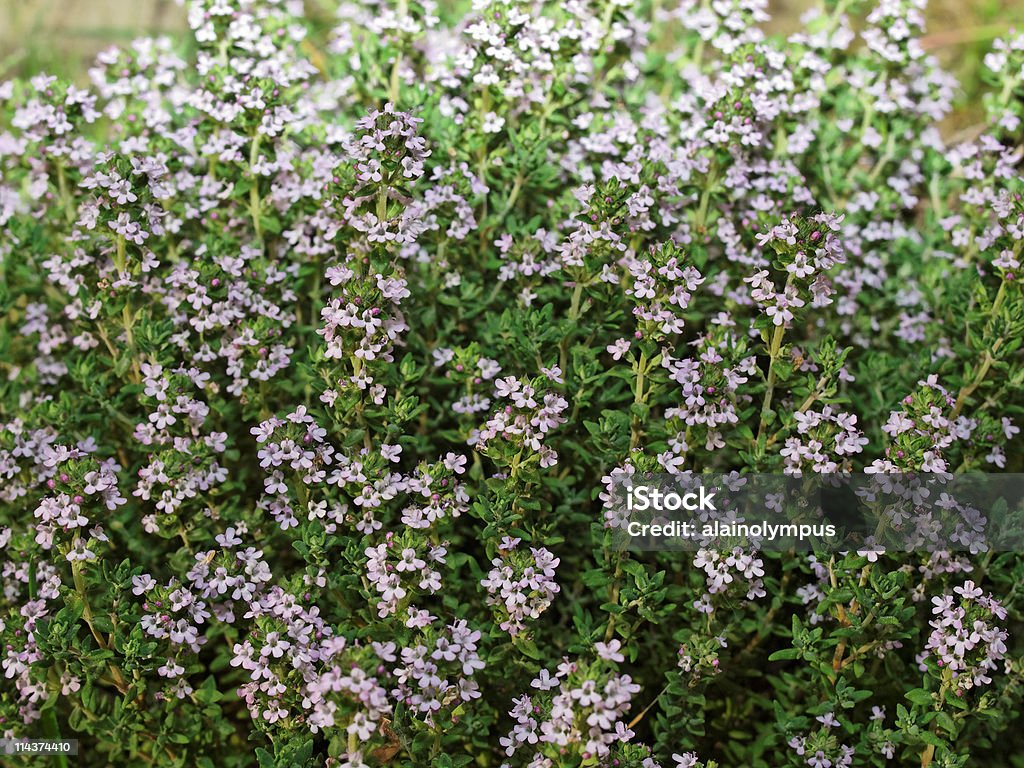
323, 336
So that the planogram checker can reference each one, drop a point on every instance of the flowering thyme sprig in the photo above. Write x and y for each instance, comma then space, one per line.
327, 334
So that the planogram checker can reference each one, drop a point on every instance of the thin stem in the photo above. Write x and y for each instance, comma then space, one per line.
979, 377
989, 357
769, 392
106, 342
812, 398
62, 186
613, 596
87, 615
887, 155
255, 202
646, 709
395, 82
79, 580
517, 187
639, 398
574, 315
129, 320
705, 200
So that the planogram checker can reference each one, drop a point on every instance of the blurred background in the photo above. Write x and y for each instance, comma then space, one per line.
62, 36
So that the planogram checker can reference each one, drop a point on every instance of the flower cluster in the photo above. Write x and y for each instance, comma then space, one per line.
175, 431
966, 642
391, 563
81, 491
519, 429
522, 586
710, 384
721, 570
823, 443
922, 431
662, 289
806, 250
822, 748
577, 710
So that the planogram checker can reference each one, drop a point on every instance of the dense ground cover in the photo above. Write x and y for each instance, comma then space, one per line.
320, 352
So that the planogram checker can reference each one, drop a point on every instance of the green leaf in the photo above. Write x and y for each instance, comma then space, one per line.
920, 697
